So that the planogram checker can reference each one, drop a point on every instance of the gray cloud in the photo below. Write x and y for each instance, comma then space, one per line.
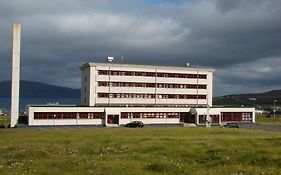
258, 76
235, 37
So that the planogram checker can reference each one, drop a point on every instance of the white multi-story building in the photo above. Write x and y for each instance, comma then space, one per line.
115, 94
108, 84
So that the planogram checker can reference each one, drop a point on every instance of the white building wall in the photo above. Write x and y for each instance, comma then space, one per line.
210, 88
41, 122
92, 86
85, 84
218, 111
95, 89
118, 110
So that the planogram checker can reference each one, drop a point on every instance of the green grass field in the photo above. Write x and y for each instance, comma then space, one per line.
4, 121
262, 119
166, 150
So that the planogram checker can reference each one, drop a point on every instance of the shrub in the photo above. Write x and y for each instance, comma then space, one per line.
2, 125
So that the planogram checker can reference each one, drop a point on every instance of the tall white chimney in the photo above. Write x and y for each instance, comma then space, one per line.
15, 74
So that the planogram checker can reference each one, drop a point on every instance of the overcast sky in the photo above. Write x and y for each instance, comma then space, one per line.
241, 39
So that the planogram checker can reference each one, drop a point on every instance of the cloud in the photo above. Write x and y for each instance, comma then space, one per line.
250, 77
233, 37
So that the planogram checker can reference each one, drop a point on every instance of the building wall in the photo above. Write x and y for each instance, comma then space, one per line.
31, 110
85, 84
54, 120
117, 86
127, 114
242, 116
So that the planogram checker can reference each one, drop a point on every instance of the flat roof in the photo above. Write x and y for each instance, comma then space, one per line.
112, 64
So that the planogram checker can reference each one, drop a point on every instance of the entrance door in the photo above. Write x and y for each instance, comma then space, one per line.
113, 119
182, 117
190, 118
187, 117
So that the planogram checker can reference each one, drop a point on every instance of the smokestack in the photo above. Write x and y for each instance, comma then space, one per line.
15, 74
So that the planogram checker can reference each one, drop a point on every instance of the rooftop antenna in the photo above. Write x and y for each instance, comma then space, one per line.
122, 58
110, 59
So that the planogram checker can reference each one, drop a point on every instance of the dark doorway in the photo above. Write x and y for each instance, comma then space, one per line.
113, 119
182, 116
187, 117
190, 118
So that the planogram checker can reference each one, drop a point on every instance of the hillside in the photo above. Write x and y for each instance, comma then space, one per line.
29, 89
265, 99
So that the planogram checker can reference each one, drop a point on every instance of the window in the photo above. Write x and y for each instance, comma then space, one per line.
125, 115
102, 72
247, 116
136, 115
232, 116
200, 76
103, 95
152, 85
94, 115
102, 83
64, 115
138, 74
159, 96
127, 73
152, 74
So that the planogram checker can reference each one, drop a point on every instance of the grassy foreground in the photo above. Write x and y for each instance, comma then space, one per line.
262, 119
4, 121
139, 151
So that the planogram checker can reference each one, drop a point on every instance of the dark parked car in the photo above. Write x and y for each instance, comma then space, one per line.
231, 125
134, 124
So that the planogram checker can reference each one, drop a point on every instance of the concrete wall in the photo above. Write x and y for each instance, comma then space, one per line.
218, 111
108, 111
119, 110
15, 75
34, 122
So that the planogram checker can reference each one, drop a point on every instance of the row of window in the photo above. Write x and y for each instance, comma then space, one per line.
68, 115
228, 117
152, 85
151, 74
159, 96
236, 116
214, 118
151, 105
150, 115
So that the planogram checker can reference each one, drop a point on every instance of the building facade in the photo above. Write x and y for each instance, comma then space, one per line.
116, 94
117, 85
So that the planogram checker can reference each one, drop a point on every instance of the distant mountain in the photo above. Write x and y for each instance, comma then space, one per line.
256, 100
30, 89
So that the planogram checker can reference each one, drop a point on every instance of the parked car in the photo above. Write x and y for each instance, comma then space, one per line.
231, 125
134, 124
